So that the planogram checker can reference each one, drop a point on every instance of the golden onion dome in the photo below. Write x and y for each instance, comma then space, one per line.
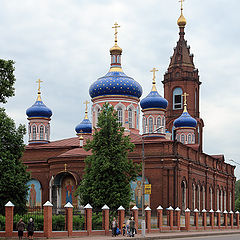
181, 21
115, 48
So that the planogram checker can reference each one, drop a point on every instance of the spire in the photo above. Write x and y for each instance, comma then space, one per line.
181, 20
116, 53
86, 109
154, 70
185, 101
39, 90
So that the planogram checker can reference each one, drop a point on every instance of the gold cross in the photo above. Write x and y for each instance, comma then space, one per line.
86, 102
39, 86
154, 70
185, 98
86, 109
65, 167
116, 32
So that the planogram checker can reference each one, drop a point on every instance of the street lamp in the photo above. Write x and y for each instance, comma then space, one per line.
143, 223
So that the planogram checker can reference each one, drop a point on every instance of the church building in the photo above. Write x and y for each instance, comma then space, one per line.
180, 173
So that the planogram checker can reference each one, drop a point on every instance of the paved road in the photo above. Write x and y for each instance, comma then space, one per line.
223, 237
215, 235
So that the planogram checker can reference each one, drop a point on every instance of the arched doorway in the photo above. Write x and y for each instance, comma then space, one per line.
63, 186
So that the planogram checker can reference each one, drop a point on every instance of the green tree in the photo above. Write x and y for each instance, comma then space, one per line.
108, 171
7, 79
237, 189
13, 177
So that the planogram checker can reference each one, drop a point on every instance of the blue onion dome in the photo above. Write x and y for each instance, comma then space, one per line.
39, 109
185, 120
115, 82
85, 127
154, 99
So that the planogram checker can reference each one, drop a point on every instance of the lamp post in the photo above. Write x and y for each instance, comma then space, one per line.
143, 223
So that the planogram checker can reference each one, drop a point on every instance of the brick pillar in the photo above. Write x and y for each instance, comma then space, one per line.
9, 219
212, 223
196, 214
135, 216
204, 220
160, 217
225, 214
170, 217
148, 219
237, 218
105, 219
121, 217
218, 218
178, 212
69, 218
47, 223
187, 219
88, 218
231, 218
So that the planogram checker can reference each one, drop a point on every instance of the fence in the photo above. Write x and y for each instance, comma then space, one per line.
89, 221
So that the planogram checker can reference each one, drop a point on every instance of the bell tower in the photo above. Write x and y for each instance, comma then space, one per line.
180, 77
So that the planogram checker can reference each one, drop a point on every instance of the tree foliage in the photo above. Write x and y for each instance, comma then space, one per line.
237, 195
13, 178
7, 79
108, 171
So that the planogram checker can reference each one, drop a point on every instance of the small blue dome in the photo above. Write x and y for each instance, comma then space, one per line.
185, 120
154, 100
84, 127
115, 83
39, 110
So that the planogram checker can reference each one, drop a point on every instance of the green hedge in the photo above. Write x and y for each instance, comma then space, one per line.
58, 222
2, 223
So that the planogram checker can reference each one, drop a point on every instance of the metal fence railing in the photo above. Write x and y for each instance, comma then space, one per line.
35, 213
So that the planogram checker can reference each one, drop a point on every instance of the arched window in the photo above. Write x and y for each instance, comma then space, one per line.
178, 137
218, 208
220, 199
198, 198
211, 197
41, 132
34, 132
120, 115
189, 138
193, 138
150, 123
230, 201
97, 115
225, 200
158, 124
177, 98
46, 131
203, 197
193, 196
137, 119
184, 195
182, 138
130, 118
163, 122
144, 125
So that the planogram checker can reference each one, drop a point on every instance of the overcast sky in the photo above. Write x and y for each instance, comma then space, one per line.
66, 44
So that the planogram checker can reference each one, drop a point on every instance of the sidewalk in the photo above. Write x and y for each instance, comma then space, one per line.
166, 235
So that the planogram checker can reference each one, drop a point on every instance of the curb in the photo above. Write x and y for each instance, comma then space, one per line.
189, 235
